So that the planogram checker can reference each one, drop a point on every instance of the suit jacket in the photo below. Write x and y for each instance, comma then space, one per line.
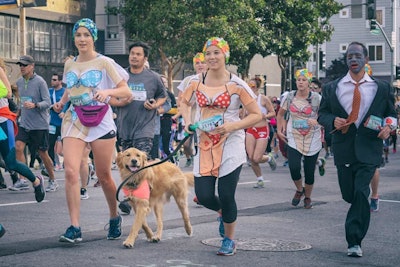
362, 144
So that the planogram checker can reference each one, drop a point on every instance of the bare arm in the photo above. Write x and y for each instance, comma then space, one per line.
6, 82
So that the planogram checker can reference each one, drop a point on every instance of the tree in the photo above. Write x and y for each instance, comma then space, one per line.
178, 29
293, 25
337, 69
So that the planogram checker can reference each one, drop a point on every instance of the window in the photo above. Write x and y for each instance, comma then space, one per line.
41, 41
343, 48
356, 9
376, 53
344, 13
112, 22
380, 16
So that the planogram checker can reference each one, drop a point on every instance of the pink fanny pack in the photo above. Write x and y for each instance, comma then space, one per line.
91, 116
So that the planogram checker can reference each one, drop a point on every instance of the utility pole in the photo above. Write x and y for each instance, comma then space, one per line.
22, 29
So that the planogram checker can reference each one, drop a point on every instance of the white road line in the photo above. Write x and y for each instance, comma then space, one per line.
265, 181
21, 203
391, 201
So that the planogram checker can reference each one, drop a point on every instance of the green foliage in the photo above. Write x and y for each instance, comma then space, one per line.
338, 68
177, 29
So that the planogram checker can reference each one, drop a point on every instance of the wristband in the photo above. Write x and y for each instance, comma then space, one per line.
107, 99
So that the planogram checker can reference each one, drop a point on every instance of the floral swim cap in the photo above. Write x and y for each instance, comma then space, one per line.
199, 57
220, 43
88, 24
305, 73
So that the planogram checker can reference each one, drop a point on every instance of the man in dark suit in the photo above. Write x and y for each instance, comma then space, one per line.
357, 147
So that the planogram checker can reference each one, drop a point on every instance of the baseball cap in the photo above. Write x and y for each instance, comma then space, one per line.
26, 60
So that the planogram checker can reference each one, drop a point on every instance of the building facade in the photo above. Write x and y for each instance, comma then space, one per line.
45, 33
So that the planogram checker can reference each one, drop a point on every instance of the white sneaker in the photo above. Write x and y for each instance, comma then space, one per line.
52, 186
259, 184
84, 193
354, 251
19, 185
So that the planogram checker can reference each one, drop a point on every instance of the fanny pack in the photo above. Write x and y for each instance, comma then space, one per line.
91, 116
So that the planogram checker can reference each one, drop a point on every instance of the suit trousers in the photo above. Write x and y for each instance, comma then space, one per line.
354, 180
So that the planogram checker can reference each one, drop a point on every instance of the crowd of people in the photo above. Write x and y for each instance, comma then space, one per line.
96, 107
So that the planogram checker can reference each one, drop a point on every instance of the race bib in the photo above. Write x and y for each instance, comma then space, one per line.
81, 100
300, 124
52, 129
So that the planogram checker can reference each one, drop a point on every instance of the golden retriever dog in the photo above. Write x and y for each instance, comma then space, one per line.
150, 189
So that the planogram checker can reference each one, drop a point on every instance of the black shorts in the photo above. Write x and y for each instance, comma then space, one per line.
38, 139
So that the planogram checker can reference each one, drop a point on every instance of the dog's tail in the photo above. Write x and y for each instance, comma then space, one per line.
189, 178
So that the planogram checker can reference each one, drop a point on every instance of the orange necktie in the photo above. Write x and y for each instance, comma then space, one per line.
355, 107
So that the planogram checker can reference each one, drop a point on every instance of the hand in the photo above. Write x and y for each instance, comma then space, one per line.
339, 123
384, 133
57, 107
150, 104
282, 135
29, 105
312, 122
100, 96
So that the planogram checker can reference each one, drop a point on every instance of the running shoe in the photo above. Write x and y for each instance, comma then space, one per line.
321, 166
2, 230
308, 203
259, 184
354, 251
52, 186
272, 162
40, 192
297, 197
114, 230
84, 193
21, 184
228, 247
72, 235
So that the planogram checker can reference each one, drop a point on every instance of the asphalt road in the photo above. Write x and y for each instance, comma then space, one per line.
270, 232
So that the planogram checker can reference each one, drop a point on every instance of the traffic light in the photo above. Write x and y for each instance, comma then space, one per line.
322, 60
373, 25
371, 9
397, 72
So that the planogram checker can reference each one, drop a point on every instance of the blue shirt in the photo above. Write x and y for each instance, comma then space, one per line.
55, 96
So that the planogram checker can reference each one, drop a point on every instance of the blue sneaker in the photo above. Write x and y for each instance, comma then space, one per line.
228, 247
2, 230
374, 205
72, 235
114, 230
221, 227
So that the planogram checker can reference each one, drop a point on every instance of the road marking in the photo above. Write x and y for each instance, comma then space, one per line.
21, 203
391, 201
265, 181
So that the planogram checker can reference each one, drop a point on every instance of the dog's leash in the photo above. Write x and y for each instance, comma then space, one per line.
170, 156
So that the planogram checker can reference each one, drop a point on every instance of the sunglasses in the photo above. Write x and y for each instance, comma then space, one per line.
22, 65
54, 80
315, 87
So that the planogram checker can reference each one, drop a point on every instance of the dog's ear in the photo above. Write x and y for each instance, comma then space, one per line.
143, 158
119, 161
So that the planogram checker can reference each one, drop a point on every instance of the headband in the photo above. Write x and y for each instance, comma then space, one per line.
88, 24
220, 43
305, 73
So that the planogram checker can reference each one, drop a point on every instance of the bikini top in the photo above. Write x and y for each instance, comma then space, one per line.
222, 100
90, 79
307, 110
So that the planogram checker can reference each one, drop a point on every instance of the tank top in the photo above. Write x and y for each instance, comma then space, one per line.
262, 108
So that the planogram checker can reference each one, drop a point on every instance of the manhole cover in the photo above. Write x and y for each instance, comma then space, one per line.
260, 244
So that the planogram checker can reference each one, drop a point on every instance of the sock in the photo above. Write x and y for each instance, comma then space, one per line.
260, 178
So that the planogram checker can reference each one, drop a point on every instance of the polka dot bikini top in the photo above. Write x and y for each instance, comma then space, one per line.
222, 100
